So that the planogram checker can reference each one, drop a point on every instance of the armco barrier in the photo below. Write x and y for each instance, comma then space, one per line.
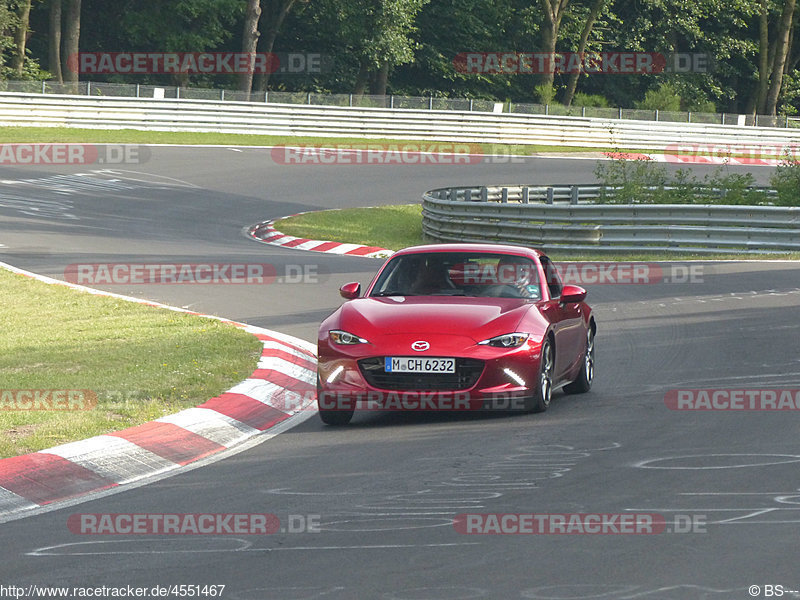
568, 218
373, 123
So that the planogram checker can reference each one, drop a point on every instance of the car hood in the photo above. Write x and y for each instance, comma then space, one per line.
477, 318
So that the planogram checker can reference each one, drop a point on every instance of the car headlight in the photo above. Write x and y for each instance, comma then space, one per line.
345, 338
507, 340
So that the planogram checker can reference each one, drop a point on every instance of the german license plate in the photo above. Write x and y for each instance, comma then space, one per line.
413, 364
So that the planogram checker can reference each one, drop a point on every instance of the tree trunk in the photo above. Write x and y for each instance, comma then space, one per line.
250, 42
381, 79
54, 51
553, 12
587, 30
72, 36
21, 36
779, 59
275, 13
362, 78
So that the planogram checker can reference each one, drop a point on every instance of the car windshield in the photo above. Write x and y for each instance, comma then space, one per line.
459, 274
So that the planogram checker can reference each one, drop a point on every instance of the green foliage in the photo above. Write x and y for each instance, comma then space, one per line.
664, 97
640, 181
786, 180
593, 100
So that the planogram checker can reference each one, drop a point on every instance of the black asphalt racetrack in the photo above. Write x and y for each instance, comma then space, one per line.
376, 500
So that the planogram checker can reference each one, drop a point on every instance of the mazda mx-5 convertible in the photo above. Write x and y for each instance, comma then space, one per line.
456, 327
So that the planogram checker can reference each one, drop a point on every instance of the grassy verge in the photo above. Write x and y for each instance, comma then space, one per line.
396, 227
141, 362
9, 135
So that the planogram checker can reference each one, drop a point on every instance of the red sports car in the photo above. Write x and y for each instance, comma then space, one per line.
456, 327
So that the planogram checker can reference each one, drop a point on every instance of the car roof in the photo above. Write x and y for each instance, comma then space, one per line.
473, 247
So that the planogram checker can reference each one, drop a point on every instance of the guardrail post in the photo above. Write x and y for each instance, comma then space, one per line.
573, 198
550, 192
430, 103
583, 111
656, 115
88, 88
43, 87
266, 97
391, 101
546, 109
308, 98
504, 196
688, 116
222, 95
138, 89
470, 104
620, 112
525, 194
484, 194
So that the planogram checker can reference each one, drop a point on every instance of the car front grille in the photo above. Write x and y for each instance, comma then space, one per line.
467, 372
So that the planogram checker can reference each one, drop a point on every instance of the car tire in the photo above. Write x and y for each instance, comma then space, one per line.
540, 401
583, 383
333, 416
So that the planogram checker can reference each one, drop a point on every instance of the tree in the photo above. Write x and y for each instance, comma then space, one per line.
71, 40
594, 12
250, 40
21, 36
54, 40
782, 48
274, 13
553, 13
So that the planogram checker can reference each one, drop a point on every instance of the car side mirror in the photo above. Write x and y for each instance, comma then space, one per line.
350, 291
571, 294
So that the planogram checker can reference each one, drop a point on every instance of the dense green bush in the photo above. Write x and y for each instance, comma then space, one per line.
786, 181
639, 181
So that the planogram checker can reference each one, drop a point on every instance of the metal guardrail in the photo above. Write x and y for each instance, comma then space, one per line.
129, 90
375, 123
569, 218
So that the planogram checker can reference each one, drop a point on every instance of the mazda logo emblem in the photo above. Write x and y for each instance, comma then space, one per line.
420, 346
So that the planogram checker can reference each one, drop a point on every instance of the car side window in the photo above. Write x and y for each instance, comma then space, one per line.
553, 278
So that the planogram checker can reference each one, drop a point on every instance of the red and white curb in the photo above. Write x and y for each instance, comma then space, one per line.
266, 233
282, 387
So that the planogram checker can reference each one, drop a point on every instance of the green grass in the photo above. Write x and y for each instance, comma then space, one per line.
396, 227
141, 362
391, 227
133, 136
